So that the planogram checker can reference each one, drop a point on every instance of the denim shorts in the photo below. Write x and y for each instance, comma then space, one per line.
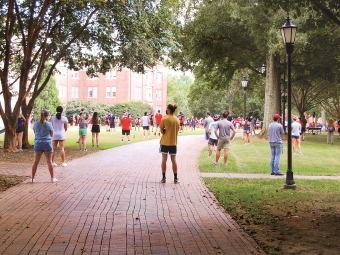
45, 146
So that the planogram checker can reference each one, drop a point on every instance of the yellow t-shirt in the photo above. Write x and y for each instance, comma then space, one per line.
169, 128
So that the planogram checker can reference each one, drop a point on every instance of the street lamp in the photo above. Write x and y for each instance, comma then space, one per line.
284, 100
288, 31
244, 83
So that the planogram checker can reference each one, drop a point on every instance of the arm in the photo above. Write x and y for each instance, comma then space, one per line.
232, 136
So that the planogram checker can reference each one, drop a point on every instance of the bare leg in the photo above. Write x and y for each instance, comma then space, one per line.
37, 156
62, 150
226, 154
48, 157
164, 159
174, 163
211, 147
55, 144
218, 154
93, 135
97, 136
19, 135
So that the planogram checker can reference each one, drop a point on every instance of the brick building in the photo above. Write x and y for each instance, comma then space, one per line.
114, 86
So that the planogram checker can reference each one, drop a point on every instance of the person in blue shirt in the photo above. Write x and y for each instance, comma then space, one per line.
276, 131
43, 131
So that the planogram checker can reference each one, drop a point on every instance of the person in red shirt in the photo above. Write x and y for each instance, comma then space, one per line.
158, 118
126, 126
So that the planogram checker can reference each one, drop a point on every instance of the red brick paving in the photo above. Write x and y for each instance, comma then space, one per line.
112, 202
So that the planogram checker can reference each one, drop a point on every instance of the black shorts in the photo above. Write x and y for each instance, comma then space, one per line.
112, 125
125, 132
181, 124
95, 129
19, 129
145, 127
164, 149
295, 136
213, 141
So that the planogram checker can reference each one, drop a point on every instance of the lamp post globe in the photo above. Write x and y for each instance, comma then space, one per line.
244, 83
288, 32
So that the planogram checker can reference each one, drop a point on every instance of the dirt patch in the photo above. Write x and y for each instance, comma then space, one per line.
305, 230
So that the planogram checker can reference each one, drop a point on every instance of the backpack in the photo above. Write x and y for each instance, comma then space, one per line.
331, 129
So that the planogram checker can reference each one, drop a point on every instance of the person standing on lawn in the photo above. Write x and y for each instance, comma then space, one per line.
276, 131
222, 132
158, 118
126, 126
59, 124
43, 131
146, 125
296, 131
168, 144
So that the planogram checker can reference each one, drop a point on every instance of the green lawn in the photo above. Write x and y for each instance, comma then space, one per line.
318, 158
106, 139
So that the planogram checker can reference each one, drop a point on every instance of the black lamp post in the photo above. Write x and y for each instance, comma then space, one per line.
244, 83
288, 31
284, 100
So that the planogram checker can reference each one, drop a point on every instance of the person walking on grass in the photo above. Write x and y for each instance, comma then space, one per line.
145, 125
82, 132
246, 131
213, 139
95, 121
207, 121
330, 131
43, 131
223, 133
59, 124
296, 131
158, 118
168, 144
126, 126
276, 131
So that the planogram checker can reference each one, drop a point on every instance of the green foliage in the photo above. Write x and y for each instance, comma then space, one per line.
48, 98
177, 92
135, 107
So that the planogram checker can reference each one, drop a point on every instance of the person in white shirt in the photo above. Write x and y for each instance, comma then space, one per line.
59, 124
145, 124
296, 132
212, 137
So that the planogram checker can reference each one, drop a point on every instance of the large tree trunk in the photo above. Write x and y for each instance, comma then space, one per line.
26, 111
273, 92
9, 140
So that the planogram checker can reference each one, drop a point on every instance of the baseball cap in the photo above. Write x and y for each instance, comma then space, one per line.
277, 116
216, 117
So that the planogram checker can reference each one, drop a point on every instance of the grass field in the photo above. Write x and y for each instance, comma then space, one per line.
318, 158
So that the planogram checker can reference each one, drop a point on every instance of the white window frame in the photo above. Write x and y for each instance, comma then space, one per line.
148, 93
75, 92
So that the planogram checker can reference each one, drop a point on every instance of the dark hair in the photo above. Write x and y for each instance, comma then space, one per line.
225, 114
95, 118
172, 107
145, 113
208, 113
59, 110
229, 118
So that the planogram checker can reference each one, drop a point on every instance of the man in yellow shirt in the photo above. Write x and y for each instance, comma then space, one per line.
169, 128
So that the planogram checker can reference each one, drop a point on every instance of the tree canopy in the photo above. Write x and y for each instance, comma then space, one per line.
95, 35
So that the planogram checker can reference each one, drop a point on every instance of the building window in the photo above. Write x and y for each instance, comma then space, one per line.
138, 75
92, 92
75, 92
148, 93
110, 92
147, 76
62, 90
63, 71
111, 74
158, 94
75, 74
138, 93
159, 77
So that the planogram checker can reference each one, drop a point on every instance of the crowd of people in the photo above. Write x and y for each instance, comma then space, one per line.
50, 132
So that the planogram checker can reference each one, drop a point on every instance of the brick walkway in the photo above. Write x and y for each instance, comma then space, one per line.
112, 202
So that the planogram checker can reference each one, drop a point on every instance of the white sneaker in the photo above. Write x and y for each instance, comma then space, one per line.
54, 164
54, 180
32, 180
64, 164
